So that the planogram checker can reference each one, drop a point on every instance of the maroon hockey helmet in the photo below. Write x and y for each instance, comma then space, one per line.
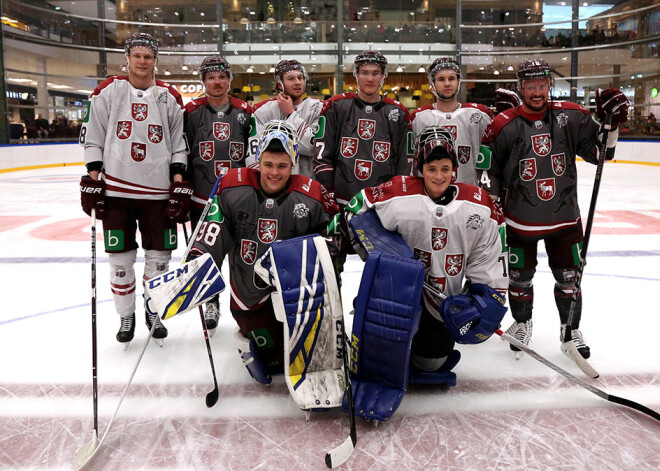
141, 40
434, 142
285, 66
534, 69
215, 64
442, 63
370, 57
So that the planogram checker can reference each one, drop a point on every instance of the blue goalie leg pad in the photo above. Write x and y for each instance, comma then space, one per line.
387, 312
442, 375
371, 236
247, 349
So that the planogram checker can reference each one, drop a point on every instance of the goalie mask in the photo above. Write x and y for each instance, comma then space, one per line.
215, 64
534, 69
285, 66
434, 143
442, 63
282, 131
141, 40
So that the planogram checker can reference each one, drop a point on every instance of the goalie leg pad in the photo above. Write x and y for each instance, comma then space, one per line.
122, 281
307, 301
442, 375
247, 349
369, 235
387, 311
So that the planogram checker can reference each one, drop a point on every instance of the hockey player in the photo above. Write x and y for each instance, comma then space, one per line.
531, 170
289, 105
256, 208
362, 136
136, 158
217, 127
457, 233
465, 121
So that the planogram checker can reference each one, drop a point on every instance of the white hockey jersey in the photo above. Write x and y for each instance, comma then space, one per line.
136, 134
304, 120
466, 124
464, 239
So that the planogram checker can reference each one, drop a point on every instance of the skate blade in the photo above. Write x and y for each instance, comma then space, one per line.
211, 332
126, 344
159, 342
519, 355
308, 416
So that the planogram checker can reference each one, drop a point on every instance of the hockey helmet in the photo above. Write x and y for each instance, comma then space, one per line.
285, 66
282, 131
436, 142
534, 69
370, 57
442, 63
141, 40
215, 64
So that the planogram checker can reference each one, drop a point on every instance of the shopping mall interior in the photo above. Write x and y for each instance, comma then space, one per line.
56, 52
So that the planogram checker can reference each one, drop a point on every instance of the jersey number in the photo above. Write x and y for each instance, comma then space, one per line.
208, 233
321, 146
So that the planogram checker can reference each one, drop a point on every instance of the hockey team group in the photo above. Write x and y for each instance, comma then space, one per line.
445, 205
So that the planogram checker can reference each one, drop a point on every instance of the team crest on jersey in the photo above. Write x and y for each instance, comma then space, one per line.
562, 119
381, 151
139, 111
124, 129
267, 230
248, 251
453, 264
527, 169
366, 128
453, 130
541, 144
236, 150
241, 118
558, 164
475, 118
464, 154
300, 210
474, 222
206, 150
155, 133
545, 188
438, 238
424, 256
362, 169
437, 282
138, 151
221, 131
349, 147
221, 167
393, 115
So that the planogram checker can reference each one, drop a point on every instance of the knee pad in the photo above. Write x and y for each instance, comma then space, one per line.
156, 262
122, 281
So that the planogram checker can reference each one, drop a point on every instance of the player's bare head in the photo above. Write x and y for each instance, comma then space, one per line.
434, 143
215, 64
278, 134
370, 57
141, 40
534, 69
444, 64
288, 68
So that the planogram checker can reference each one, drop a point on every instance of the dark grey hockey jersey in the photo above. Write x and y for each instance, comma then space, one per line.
532, 165
248, 221
218, 141
361, 144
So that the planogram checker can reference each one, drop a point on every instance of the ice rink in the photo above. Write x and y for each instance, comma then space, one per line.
502, 415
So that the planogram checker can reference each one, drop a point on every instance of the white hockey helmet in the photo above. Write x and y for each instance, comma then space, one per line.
282, 131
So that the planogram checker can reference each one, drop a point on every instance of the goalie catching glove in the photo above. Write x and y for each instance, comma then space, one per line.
92, 196
473, 317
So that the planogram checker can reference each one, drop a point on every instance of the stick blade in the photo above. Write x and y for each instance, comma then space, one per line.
87, 451
570, 350
339, 455
212, 397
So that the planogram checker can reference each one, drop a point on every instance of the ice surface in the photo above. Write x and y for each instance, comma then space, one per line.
503, 414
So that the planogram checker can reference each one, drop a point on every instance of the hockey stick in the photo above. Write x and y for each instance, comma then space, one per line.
87, 450
568, 347
212, 397
338, 456
598, 392
86, 458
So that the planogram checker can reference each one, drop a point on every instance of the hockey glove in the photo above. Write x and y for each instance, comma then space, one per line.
179, 203
505, 99
612, 101
92, 196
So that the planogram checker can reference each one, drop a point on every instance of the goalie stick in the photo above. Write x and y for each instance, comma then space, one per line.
598, 392
568, 347
87, 452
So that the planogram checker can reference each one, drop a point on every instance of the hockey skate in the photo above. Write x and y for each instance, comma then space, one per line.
211, 316
522, 332
126, 330
578, 341
160, 332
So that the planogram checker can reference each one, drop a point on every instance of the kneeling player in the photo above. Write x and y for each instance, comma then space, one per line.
456, 233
